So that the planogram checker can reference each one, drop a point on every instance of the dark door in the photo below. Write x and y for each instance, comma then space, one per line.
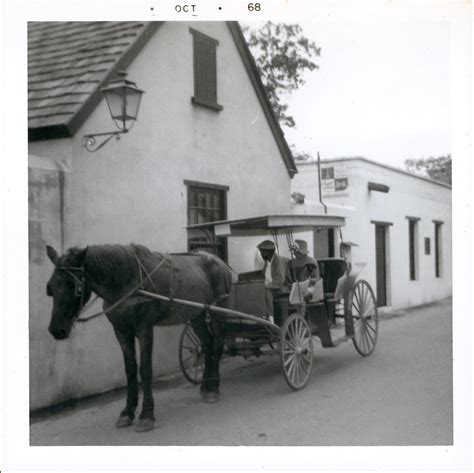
381, 265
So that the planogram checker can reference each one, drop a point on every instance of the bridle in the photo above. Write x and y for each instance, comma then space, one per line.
80, 283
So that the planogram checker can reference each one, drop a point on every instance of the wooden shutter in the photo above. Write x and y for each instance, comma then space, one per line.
205, 70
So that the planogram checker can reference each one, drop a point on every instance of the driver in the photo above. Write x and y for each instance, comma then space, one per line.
277, 282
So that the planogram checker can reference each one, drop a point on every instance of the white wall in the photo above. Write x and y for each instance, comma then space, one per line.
408, 196
132, 190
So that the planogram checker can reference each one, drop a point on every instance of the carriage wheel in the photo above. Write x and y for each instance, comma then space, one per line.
191, 357
365, 316
296, 351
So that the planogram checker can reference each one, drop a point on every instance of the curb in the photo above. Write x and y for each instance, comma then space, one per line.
388, 313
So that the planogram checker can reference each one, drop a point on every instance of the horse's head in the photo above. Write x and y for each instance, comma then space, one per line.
69, 288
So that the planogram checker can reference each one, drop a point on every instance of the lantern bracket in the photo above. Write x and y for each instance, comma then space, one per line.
91, 144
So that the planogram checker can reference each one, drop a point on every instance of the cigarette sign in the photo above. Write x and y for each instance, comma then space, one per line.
333, 180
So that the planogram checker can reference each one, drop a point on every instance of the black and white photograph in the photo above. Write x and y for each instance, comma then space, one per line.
243, 225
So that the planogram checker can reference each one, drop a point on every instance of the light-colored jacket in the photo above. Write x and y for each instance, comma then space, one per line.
279, 274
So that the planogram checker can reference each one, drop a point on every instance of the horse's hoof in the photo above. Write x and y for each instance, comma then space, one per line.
143, 425
210, 397
123, 421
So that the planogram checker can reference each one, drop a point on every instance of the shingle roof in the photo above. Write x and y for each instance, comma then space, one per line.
67, 63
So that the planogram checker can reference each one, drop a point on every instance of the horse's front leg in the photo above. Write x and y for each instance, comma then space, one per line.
126, 339
146, 421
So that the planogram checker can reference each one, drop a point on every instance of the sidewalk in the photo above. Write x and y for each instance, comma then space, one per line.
388, 312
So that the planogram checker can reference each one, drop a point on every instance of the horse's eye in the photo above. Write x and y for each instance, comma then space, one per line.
49, 292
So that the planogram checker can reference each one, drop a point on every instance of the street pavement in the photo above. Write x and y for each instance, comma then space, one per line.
400, 395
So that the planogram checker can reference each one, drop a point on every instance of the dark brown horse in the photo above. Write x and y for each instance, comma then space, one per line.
116, 273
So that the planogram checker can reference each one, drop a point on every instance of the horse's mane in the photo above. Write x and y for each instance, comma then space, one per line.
112, 264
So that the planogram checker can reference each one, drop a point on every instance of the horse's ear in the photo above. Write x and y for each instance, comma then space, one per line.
52, 254
81, 257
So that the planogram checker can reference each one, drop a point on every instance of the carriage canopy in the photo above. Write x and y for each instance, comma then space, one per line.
274, 224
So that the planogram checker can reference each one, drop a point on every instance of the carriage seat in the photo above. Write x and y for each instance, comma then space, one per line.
331, 269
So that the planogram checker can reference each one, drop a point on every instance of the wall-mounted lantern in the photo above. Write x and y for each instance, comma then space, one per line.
123, 100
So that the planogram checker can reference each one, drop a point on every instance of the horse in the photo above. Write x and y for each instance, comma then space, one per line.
116, 273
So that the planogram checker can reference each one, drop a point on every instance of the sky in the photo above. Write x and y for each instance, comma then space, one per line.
382, 91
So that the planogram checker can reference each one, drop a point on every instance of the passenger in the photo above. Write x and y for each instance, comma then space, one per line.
275, 269
303, 267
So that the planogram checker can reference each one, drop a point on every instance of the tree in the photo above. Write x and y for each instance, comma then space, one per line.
282, 54
301, 156
438, 169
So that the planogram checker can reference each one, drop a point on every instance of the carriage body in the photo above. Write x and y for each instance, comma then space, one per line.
335, 317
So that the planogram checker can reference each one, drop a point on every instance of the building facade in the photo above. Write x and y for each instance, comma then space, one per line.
398, 223
206, 146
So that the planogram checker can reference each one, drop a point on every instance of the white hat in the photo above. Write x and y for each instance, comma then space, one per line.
300, 246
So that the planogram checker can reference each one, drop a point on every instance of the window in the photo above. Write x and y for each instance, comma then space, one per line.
207, 203
437, 248
413, 247
205, 70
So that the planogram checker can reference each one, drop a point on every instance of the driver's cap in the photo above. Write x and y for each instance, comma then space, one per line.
266, 245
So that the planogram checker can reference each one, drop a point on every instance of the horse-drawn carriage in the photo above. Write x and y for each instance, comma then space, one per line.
345, 308
142, 288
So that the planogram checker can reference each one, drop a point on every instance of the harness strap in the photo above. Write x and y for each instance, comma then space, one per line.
124, 298
173, 271
142, 268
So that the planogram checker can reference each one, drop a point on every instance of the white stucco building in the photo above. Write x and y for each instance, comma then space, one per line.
398, 223
206, 146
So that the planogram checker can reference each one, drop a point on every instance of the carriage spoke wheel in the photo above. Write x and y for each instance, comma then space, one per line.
296, 351
365, 317
191, 357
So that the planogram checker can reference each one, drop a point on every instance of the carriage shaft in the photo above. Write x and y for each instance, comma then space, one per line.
213, 308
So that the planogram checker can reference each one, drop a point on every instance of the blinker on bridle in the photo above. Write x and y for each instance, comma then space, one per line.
79, 284
79, 281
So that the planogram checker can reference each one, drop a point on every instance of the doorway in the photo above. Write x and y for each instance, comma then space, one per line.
381, 264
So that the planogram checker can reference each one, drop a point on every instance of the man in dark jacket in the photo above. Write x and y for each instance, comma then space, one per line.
277, 281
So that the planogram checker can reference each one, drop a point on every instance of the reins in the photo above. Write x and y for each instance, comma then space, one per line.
80, 289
